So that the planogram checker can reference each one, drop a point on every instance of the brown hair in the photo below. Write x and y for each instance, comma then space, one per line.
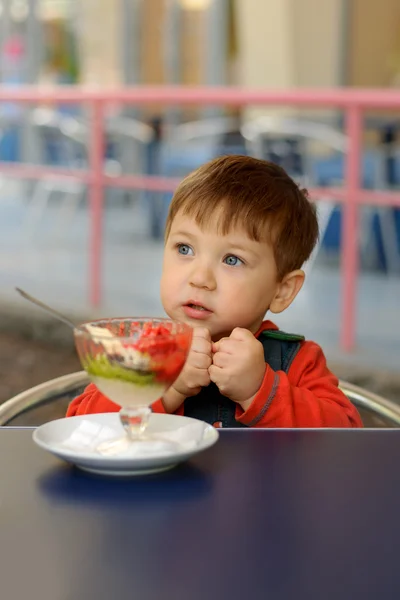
255, 194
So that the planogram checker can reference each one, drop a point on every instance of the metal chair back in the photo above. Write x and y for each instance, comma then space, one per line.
49, 401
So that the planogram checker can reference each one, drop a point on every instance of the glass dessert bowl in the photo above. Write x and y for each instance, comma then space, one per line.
132, 361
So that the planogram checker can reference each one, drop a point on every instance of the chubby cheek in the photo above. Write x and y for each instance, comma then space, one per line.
236, 300
236, 292
240, 313
169, 288
243, 305
165, 290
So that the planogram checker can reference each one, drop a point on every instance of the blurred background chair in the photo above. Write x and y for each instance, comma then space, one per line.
313, 154
63, 141
188, 145
50, 400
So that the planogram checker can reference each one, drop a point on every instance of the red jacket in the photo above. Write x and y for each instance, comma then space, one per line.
307, 396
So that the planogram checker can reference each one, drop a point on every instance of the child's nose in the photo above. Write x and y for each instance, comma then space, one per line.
203, 276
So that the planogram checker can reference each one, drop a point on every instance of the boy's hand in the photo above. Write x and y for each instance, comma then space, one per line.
238, 366
194, 374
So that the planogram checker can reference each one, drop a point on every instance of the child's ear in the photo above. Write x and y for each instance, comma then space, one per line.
287, 291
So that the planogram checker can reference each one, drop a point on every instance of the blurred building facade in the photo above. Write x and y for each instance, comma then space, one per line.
273, 43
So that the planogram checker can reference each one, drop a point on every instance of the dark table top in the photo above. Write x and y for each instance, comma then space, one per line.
261, 515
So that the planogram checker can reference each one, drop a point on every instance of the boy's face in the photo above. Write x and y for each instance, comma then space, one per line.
215, 281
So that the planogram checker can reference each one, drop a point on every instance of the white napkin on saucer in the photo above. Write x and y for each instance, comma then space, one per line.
89, 435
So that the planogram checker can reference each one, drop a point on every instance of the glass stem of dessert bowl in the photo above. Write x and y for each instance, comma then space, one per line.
134, 421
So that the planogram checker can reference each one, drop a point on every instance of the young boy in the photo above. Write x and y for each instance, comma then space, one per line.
237, 234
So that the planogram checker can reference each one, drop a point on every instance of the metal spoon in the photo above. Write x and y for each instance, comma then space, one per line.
48, 309
103, 334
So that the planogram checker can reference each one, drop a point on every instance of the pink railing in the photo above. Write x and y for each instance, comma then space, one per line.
352, 101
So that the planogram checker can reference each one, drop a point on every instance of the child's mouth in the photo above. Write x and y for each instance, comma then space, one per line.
197, 306
196, 311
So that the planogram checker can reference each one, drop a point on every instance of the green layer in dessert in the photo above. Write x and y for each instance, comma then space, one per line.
100, 367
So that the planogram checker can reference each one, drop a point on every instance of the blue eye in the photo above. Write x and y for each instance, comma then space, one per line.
232, 260
184, 249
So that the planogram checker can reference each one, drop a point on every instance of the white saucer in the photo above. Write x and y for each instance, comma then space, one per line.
75, 439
